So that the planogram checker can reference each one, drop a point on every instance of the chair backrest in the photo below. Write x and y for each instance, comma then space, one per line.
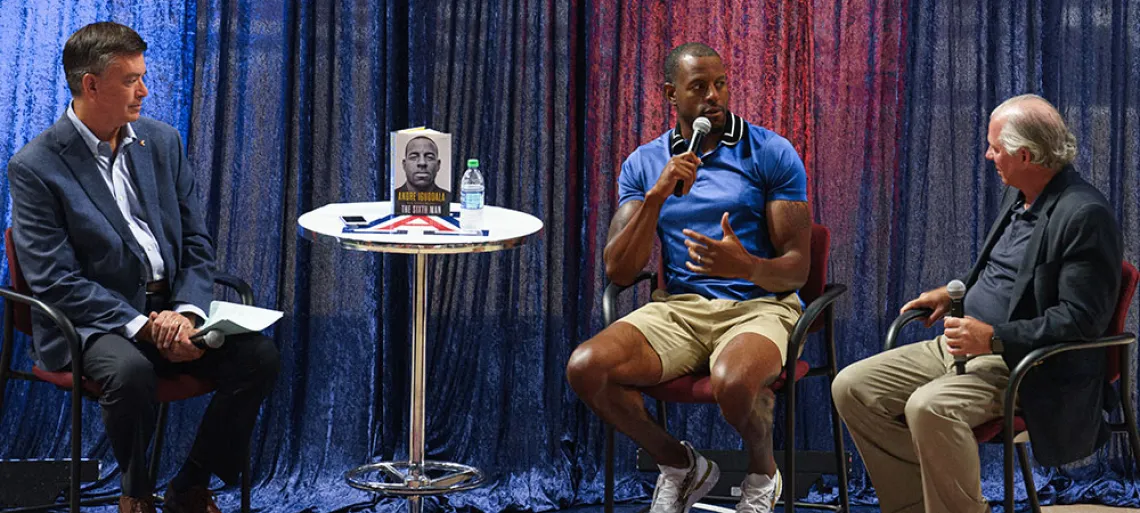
817, 276
22, 314
1129, 277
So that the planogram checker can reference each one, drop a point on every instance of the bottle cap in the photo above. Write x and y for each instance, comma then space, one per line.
472, 162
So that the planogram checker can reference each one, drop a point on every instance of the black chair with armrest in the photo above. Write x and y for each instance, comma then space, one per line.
819, 314
1012, 426
18, 305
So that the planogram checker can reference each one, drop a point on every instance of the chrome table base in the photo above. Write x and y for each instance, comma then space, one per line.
415, 478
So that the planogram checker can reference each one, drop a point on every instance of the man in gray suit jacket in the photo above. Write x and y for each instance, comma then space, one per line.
108, 228
1048, 273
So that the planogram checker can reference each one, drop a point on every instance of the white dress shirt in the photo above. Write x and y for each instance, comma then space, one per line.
115, 170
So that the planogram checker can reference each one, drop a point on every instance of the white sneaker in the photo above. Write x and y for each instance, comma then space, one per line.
760, 497
679, 488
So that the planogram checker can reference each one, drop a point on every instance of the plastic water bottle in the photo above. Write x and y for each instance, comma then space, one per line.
471, 197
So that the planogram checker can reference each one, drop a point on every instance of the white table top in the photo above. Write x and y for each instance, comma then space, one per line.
420, 234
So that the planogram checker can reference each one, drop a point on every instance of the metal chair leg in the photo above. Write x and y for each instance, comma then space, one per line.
840, 460
156, 453
836, 422
1007, 464
246, 485
76, 432
1027, 477
1126, 386
608, 504
6, 348
789, 470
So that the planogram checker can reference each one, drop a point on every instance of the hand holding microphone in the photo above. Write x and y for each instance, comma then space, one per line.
957, 291
701, 128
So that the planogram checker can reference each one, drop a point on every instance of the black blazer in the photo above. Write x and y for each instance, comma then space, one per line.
1065, 291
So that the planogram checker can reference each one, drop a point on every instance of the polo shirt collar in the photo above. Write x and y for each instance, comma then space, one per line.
733, 133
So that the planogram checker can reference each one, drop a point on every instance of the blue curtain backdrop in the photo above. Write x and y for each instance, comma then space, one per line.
286, 106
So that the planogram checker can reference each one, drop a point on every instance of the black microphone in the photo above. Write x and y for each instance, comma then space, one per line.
957, 291
701, 127
208, 340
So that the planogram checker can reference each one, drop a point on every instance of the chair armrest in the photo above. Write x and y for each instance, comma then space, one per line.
609, 297
831, 293
902, 320
1038, 356
61, 321
237, 284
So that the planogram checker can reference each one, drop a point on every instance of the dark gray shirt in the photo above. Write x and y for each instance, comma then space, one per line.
988, 299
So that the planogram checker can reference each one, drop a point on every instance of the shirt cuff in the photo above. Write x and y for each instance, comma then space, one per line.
189, 308
132, 328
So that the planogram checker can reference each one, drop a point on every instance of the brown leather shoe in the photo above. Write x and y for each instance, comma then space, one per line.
136, 505
196, 499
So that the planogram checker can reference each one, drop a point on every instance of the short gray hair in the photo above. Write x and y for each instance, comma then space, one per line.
1031, 122
92, 48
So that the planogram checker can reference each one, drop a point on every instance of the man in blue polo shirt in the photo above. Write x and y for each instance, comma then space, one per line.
736, 248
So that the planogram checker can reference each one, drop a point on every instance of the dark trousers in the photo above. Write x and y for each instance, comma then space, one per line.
243, 372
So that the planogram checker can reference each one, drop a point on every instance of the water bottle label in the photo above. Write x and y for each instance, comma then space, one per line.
472, 200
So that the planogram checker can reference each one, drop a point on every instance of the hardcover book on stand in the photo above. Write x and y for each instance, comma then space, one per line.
421, 172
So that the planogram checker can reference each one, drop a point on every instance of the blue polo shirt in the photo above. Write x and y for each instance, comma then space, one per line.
750, 167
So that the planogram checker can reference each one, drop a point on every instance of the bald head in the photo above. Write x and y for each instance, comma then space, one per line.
1031, 122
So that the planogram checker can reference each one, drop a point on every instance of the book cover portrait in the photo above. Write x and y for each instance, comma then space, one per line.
421, 172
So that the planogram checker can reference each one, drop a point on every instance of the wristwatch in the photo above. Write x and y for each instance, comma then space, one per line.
996, 345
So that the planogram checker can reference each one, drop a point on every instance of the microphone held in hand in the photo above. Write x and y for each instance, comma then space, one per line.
701, 127
957, 291
208, 340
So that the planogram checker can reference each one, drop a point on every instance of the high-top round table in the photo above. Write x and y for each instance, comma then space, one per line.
505, 229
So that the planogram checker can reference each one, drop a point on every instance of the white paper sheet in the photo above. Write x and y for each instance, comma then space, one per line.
234, 318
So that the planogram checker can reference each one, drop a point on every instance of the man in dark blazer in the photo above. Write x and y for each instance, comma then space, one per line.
108, 228
1049, 273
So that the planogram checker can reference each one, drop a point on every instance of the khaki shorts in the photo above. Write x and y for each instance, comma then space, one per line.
689, 331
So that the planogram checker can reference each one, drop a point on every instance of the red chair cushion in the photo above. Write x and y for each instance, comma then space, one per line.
1128, 281
176, 388
992, 429
694, 388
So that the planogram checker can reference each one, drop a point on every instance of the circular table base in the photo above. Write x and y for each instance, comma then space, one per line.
406, 478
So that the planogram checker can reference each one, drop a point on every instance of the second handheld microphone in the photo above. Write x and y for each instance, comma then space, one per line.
208, 340
957, 291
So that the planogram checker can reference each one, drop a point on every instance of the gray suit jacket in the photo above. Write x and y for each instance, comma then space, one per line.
1065, 291
75, 247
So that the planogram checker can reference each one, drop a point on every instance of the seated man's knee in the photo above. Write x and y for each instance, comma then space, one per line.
585, 369
927, 408
748, 366
132, 379
740, 392
732, 383
845, 388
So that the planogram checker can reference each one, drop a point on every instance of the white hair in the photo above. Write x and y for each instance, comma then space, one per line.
1032, 123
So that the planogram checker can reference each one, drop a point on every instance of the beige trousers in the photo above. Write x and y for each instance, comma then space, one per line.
911, 417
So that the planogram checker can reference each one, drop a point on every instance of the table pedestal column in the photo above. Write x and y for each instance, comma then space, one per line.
416, 477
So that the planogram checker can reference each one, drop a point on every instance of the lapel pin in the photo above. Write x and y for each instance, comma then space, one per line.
142, 142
